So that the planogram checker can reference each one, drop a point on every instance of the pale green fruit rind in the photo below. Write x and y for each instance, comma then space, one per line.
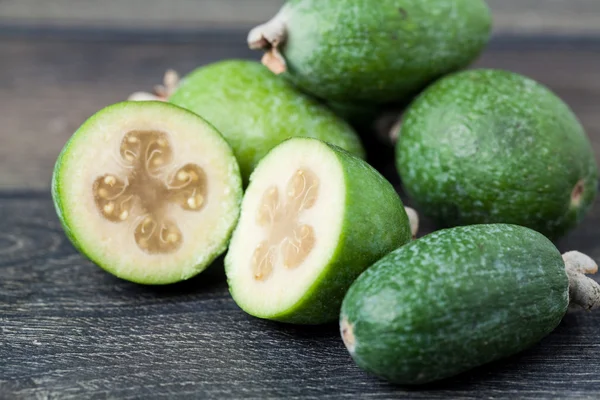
454, 300
78, 139
374, 223
490, 146
256, 110
379, 51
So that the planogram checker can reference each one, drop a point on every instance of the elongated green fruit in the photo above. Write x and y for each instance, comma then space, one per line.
148, 191
313, 218
490, 146
460, 298
255, 110
376, 51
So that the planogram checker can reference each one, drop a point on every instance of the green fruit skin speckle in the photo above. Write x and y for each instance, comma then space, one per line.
374, 224
489, 146
454, 300
380, 51
256, 110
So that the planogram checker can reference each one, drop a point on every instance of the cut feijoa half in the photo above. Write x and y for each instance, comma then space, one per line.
148, 191
313, 218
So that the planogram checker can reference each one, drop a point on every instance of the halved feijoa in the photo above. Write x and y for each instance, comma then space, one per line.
148, 191
313, 218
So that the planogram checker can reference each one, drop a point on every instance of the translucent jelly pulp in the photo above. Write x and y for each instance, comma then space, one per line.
141, 195
286, 238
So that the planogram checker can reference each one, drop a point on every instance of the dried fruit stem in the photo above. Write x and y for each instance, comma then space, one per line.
583, 291
347, 331
161, 92
269, 36
274, 61
577, 193
413, 218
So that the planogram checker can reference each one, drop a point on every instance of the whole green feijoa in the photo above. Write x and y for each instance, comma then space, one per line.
313, 218
256, 110
487, 146
148, 191
377, 51
460, 298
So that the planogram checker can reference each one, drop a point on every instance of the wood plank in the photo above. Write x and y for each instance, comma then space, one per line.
69, 330
138, 13
53, 86
580, 17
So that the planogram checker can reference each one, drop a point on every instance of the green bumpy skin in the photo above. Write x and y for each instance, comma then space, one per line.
374, 224
379, 51
454, 300
255, 110
490, 146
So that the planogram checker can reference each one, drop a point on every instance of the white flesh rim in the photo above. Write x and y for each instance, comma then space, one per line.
299, 227
202, 212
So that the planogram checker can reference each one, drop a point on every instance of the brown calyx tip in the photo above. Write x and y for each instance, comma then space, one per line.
274, 61
347, 332
269, 36
577, 193
160, 92
583, 291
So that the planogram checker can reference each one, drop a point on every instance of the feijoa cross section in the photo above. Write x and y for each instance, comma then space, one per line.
459, 298
371, 51
313, 218
256, 110
148, 191
492, 146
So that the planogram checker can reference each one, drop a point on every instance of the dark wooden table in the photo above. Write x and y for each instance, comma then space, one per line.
69, 330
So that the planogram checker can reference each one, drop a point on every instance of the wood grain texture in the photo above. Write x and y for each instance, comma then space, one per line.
49, 87
69, 331
511, 16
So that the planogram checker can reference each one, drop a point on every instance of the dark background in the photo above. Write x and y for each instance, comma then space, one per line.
70, 331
